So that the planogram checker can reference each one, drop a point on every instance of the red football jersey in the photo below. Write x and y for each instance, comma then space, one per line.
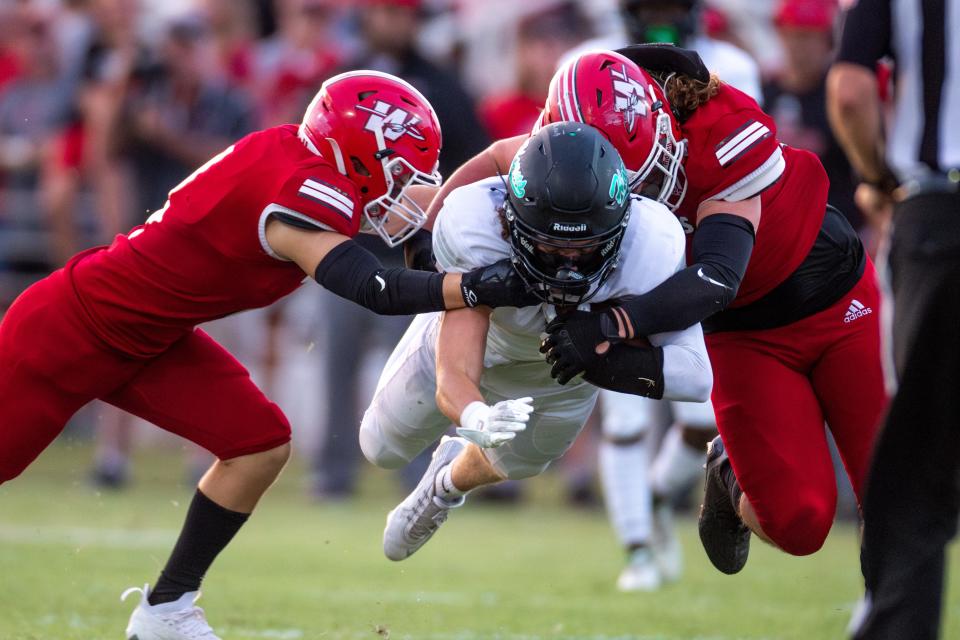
204, 255
733, 154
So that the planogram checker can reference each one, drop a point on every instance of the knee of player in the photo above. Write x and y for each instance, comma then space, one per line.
273, 460
374, 446
802, 529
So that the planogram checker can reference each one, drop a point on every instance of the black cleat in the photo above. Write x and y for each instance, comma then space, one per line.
724, 536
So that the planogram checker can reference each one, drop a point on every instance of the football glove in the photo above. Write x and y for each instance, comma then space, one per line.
496, 285
572, 340
491, 426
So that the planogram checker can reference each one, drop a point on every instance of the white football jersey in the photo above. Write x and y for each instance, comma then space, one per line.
468, 234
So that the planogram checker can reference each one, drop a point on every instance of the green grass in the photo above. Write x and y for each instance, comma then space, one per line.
300, 570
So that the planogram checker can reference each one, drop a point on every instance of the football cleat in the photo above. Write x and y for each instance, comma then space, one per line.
177, 620
421, 513
641, 572
724, 536
665, 543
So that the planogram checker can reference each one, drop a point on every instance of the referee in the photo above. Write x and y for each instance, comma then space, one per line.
913, 491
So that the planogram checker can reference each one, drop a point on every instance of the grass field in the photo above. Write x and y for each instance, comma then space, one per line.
300, 570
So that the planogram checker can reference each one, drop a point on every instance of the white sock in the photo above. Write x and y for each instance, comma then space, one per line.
677, 465
443, 485
624, 469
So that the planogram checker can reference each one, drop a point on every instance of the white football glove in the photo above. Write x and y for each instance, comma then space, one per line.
489, 427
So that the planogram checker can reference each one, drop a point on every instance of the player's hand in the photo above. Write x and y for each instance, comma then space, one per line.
577, 341
489, 427
418, 252
496, 285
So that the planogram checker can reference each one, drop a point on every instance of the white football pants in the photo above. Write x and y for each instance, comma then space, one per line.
403, 419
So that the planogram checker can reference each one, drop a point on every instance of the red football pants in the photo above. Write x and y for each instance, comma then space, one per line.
51, 364
773, 390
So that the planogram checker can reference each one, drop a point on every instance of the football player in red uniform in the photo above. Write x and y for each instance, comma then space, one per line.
780, 280
118, 322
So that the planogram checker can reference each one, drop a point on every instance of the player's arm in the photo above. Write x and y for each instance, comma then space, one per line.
417, 251
350, 271
719, 256
460, 347
721, 251
495, 158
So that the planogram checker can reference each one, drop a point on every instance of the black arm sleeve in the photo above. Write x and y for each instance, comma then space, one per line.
352, 272
866, 33
721, 250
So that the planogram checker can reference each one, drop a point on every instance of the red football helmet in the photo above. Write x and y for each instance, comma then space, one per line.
607, 91
384, 136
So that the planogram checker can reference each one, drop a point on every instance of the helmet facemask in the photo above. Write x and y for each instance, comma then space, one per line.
562, 271
661, 176
395, 216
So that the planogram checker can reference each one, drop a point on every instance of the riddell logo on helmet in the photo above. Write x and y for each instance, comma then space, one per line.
628, 97
563, 227
392, 121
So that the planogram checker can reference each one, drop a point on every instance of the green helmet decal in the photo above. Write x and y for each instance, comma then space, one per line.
517, 182
618, 185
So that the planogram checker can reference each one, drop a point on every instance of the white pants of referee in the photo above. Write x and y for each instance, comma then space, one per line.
403, 419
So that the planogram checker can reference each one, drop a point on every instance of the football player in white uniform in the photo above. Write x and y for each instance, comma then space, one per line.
566, 218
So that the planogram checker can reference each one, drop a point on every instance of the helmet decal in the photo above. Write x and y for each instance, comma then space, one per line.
619, 186
517, 181
628, 97
393, 123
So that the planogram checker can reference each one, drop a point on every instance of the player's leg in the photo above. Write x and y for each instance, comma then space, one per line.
403, 419
624, 457
849, 382
679, 461
773, 432
50, 366
199, 391
677, 466
458, 466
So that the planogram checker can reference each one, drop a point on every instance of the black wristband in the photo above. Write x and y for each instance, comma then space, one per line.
353, 273
629, 369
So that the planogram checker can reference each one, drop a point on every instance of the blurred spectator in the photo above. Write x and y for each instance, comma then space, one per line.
542, 37
115, 59
178, 116
292, 63
233, 29
796, 97
389, 31
33, 106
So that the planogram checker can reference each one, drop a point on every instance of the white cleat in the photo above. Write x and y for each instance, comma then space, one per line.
641, 572
666, 544
177, 620
421, 513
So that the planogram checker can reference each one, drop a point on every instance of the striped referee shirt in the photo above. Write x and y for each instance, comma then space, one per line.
923, 39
